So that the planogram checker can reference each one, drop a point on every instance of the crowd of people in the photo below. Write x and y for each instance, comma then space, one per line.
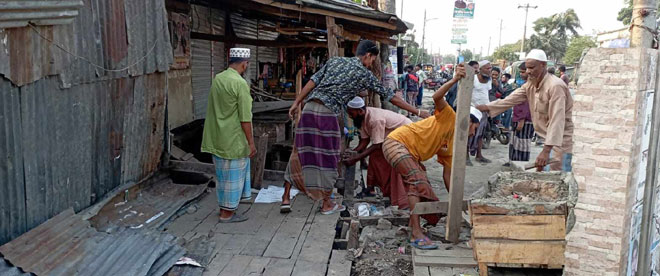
394, 144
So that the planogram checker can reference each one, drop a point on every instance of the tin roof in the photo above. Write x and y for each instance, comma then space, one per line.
68, 245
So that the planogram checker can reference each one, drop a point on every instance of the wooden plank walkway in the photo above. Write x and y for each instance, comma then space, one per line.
447, 260
268, 243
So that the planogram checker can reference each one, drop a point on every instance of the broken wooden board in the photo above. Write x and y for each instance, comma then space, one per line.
518, 208
435, 207
444, 256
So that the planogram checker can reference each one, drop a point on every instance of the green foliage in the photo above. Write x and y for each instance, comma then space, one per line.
450, 58
552, 33
509, 52
467, 55
575, 48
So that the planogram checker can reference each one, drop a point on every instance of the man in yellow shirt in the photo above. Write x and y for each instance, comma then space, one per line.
406, 147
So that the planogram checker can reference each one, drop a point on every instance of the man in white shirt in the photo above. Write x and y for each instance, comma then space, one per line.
422, 77
482, 83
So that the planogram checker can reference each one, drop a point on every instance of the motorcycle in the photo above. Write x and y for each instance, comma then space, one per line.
493, 131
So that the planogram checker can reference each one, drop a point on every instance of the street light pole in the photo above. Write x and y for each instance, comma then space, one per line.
526, 7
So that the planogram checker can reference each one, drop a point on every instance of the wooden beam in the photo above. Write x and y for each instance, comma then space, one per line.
461, 132
316, 11
257, 42
435, 207
333, 50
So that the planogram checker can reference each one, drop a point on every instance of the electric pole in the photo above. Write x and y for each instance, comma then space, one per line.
499, 44
423, 35
488, 51
526, 7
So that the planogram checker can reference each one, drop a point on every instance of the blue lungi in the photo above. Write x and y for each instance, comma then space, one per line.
233, 181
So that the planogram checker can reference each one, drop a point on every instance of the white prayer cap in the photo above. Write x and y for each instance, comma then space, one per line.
356, 103
537, 54
483, 63
474, 111
239, 53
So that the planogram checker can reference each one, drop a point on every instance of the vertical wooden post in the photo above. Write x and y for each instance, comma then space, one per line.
333, 48
258, 162
461, 132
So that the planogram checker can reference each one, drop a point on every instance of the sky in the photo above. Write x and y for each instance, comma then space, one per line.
595, 16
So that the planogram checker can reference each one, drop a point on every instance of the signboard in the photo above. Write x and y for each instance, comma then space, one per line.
464, 9
459, 31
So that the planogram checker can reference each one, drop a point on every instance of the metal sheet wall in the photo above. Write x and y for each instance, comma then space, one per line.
219, 62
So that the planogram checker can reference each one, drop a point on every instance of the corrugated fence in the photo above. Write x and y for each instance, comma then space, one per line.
71, 131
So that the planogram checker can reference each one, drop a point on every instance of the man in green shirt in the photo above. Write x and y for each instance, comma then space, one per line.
228, 134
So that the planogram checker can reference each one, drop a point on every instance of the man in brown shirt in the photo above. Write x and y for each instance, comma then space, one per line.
551, 105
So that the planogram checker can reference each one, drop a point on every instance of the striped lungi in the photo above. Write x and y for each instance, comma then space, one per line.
521, 142
233, 183
412, 173
312, 167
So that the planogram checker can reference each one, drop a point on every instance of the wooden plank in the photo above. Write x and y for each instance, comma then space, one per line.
284, 241
318, 244
279, 267
551, 208
256, 214
438, 270
445, 261
235, 244
217, 264
421, 270
355, 18
205, 207
483, 269
370, 221
193, 166
236, 266
344, 230
540, 227
445, 250
339, 265
258, 162
258, 107
435, 207
307, 268
461, 132
462, 270
333, 50
260, 241
354, 235
256, 266
520, 252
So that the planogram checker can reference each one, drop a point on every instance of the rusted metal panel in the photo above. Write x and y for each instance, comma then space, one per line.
109, 39
67, 245
144, 127
19, 13
179, 98
12, 189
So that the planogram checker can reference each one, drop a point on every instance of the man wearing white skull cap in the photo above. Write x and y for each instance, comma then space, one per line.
551, 106
228, 134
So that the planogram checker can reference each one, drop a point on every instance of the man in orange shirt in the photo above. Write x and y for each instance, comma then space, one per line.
407, 146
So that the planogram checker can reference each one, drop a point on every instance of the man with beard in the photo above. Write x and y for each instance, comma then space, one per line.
375, 124
228, 134
551, 106
480, 96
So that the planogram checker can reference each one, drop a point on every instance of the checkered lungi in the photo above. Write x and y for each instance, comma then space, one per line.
233, 181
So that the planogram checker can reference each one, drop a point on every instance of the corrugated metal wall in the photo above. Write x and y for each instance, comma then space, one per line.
71, 131
201, 62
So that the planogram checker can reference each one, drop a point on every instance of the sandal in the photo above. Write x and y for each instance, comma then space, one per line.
336, 208
483, 160
235, 218
429, 245
285, 208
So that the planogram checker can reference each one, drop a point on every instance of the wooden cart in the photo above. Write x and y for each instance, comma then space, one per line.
522, 234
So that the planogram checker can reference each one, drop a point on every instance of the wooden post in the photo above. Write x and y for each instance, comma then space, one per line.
258, 162
354, 235
333, 48
461, 132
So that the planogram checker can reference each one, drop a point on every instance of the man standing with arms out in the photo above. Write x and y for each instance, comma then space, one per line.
317, 151
562, 74
375, 124
482, 84
422, 77
551, 106
407, 146
228, 134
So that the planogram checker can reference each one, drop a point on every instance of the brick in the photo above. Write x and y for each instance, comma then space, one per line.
609, 165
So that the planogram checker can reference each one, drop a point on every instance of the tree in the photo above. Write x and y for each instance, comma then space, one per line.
450, 58
509, 52
625, 14
552, 33
467, 55
575, 48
